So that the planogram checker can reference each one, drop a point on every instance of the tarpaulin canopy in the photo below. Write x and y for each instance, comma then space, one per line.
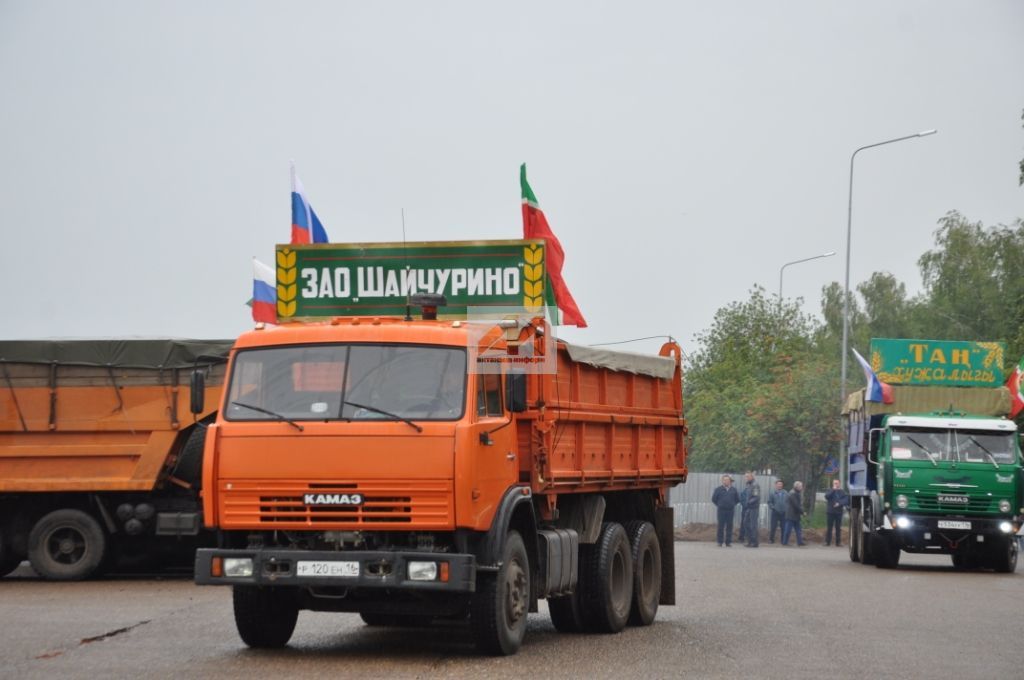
167, 353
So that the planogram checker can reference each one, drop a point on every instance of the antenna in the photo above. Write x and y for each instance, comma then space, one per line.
405, 257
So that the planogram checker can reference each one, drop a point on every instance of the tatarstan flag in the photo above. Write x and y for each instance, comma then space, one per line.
1013, 383
535, 225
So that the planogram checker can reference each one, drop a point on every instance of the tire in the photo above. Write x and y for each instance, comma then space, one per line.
887, 553
265, 617
866, 545
1004, 557
8, 560
189, 467
607, 581
646, 555
66, 545
396, 620
852, 542
959, 560
502, 600
565, 612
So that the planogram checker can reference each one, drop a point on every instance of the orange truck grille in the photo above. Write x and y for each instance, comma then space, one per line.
404, 505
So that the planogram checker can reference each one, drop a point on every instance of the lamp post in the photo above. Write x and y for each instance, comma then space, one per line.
806, 259
846, 284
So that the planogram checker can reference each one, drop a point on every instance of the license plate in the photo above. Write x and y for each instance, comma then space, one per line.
953, 524
329, 569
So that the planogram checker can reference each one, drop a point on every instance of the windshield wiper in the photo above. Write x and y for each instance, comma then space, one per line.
270, 413
385, 413
923, 450
982, 447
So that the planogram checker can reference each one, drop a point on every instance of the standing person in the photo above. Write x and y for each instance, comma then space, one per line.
777, 503
794, 511
752, 510
836, 501
725, 499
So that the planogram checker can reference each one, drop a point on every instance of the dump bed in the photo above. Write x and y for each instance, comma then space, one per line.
610, 421
97, 415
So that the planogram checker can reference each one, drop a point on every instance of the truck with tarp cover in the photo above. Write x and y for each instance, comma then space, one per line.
421, 470
100, 456
938, 470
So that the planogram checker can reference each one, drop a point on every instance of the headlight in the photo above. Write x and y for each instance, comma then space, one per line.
902, 501
1005, 527
238, 566
423, 571
902, 522
1004, 505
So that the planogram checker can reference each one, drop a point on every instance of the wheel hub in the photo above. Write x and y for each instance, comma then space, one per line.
515, 589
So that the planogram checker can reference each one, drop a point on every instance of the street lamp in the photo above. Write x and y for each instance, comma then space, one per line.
846, 283
806, 259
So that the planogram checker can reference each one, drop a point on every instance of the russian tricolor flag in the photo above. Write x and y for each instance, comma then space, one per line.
876, 390
264, 293
306, 227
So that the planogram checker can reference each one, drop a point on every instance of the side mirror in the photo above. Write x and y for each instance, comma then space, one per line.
515, 392
197, 389
871, 443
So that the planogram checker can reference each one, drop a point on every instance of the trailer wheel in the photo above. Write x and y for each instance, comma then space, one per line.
265, 617
646, 553
607, 575
565, 612
66, 545
502, 600
853, 541
1004, 556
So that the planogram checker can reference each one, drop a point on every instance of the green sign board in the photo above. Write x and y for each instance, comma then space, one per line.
375, 279
938, 362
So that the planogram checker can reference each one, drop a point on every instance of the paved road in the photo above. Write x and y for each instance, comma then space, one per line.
768, 613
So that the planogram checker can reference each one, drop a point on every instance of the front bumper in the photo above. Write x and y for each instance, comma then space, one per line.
925, 533
378, 569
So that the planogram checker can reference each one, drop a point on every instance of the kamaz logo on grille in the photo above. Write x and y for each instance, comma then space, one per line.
949, 498
332, 499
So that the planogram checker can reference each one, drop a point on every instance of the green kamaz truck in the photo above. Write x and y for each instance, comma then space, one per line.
938, 470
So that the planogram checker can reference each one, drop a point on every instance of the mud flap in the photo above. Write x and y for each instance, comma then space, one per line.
664, 528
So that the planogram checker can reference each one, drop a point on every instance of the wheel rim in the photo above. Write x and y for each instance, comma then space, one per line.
516, 596
66, 545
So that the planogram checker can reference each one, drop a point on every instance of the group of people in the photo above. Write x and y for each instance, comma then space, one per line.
786, 507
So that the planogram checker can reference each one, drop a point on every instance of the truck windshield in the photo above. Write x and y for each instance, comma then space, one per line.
957, 446
348, 382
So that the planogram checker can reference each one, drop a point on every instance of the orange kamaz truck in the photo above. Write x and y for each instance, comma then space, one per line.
100, 459
362, 464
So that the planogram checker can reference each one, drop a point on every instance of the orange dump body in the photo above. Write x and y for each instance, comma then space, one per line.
92, 428
589, 428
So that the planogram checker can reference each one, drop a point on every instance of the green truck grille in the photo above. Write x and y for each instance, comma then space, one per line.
973, 505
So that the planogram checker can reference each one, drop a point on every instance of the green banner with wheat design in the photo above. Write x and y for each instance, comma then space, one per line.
375, 279
938, 362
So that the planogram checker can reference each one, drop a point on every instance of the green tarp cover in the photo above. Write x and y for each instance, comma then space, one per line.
975, 401
115, 352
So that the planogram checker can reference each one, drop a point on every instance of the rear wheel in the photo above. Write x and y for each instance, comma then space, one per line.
66, 545
502, 600
607, 575
853, 541
265, 617
646, 554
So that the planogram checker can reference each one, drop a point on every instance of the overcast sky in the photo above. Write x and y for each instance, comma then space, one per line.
683, 151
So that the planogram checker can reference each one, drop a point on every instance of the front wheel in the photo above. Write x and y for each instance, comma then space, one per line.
502, 600
853, 540
886, 551
265, 617
1004, 556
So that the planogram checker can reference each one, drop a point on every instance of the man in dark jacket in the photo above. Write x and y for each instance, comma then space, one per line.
751, 510
836, 501
794, 511
777, 503
725, 499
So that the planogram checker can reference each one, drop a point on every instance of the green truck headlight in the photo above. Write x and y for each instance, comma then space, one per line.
422, 571
902, 501
902, 522
238, 566
1004, 505
1005, 527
